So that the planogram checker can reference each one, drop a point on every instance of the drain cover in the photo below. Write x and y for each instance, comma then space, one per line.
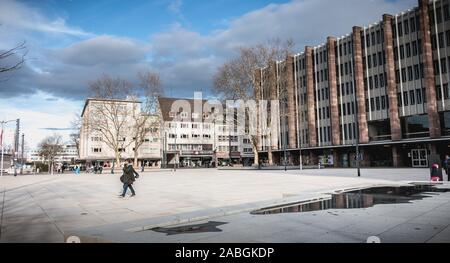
211, 226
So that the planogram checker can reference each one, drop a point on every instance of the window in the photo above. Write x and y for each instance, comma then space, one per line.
419, 96
184, 126
381, 80
412, 99
441, 40
408, 50
416, 72
447, 36
97, 150
184, 115
405, 98
410, 73
172, 136
383, 102
377, 103
406, 24
414, 48
412, 24
184, 136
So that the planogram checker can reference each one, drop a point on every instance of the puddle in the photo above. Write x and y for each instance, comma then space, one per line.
363, 198
211, 226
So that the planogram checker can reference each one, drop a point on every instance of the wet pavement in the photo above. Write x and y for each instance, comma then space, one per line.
48, 208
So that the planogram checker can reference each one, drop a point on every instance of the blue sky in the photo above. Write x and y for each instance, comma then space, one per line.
71, 43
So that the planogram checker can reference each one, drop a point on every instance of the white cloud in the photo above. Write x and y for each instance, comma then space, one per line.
103, 50
175, 6
36, 113
17, 16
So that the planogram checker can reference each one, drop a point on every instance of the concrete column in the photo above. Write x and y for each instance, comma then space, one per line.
332, 84
396, 157
433, 149
257, 89
396, 131
312, 132
359, 85
273, 96
291, 102
336, 159
429, 81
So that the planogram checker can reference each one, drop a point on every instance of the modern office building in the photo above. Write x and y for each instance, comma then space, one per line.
383, 86
194, 137
94, 150
68, 155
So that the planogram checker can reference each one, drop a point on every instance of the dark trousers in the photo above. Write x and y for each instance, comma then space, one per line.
125, 188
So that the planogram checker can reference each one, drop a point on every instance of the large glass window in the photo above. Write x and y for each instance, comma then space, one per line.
415, 126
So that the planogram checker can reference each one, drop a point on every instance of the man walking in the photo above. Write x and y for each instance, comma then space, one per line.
128, 178
447, 166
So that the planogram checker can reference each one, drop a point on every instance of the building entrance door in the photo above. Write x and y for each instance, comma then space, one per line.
419, 158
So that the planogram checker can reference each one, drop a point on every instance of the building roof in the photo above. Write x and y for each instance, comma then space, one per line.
165, 105
101, 99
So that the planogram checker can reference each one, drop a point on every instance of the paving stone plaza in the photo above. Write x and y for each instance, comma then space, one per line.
51, 208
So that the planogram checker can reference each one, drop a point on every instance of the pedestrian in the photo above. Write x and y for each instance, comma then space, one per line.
447, 164
128, 177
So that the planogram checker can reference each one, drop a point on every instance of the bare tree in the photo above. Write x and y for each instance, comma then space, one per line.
109, 118
146, 120
235, 79
8, 61
75, 135
49, 148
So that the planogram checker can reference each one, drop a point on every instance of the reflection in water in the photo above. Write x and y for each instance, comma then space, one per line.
211, 226
359, 199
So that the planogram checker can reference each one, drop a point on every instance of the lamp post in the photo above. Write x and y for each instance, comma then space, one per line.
2, 148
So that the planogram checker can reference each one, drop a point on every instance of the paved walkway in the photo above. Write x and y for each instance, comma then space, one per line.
46, 208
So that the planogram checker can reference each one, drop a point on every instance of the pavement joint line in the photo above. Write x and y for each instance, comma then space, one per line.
406, 222
28, 185
448, 226
43, 210
322, 195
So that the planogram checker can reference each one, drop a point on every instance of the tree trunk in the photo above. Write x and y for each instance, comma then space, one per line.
117, 160
270, 156
256, 159
135, 158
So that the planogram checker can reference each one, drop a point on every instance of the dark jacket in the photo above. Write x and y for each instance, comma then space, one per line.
128, 176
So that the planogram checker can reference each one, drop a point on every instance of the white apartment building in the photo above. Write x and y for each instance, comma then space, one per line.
190, 139
94, 148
